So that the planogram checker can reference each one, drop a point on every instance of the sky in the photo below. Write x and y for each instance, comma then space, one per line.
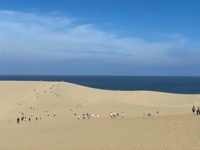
100, 37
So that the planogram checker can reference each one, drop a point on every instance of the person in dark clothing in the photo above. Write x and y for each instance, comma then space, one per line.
193, 109
18, 120
22, 118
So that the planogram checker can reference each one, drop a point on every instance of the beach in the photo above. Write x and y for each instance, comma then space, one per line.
53, 118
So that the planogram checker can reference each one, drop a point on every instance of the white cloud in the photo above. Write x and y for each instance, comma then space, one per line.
30, 36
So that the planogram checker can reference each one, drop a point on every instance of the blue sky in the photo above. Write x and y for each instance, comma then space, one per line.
100, 37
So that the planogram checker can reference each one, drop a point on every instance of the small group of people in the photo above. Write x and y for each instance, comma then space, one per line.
23, 118
113, 115
48, 114
148, 114
87, 116
197, 110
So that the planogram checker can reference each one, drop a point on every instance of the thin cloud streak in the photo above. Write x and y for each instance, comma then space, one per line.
53, 37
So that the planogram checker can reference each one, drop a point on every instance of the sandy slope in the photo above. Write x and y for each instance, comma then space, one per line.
174, 127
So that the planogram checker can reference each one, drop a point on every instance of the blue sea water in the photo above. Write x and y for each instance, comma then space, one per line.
182, 85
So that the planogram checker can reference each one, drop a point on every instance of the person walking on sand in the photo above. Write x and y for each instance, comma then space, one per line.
18, 120
193, 109
22, 118
122, 114
198, 111
113, 114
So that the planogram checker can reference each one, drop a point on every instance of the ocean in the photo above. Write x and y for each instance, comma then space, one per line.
169, 84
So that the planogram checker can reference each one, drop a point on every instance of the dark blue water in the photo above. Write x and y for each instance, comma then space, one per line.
183, 85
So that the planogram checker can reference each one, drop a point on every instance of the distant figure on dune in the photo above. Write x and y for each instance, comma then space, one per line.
54, 115
22, 118
122, 114
198, 111
111, 115
193, 109
114, 114
93, 115
18, 120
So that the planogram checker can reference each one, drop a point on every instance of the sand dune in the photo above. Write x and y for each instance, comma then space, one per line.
173, 127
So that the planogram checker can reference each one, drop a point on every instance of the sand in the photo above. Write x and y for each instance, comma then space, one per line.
174, 127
